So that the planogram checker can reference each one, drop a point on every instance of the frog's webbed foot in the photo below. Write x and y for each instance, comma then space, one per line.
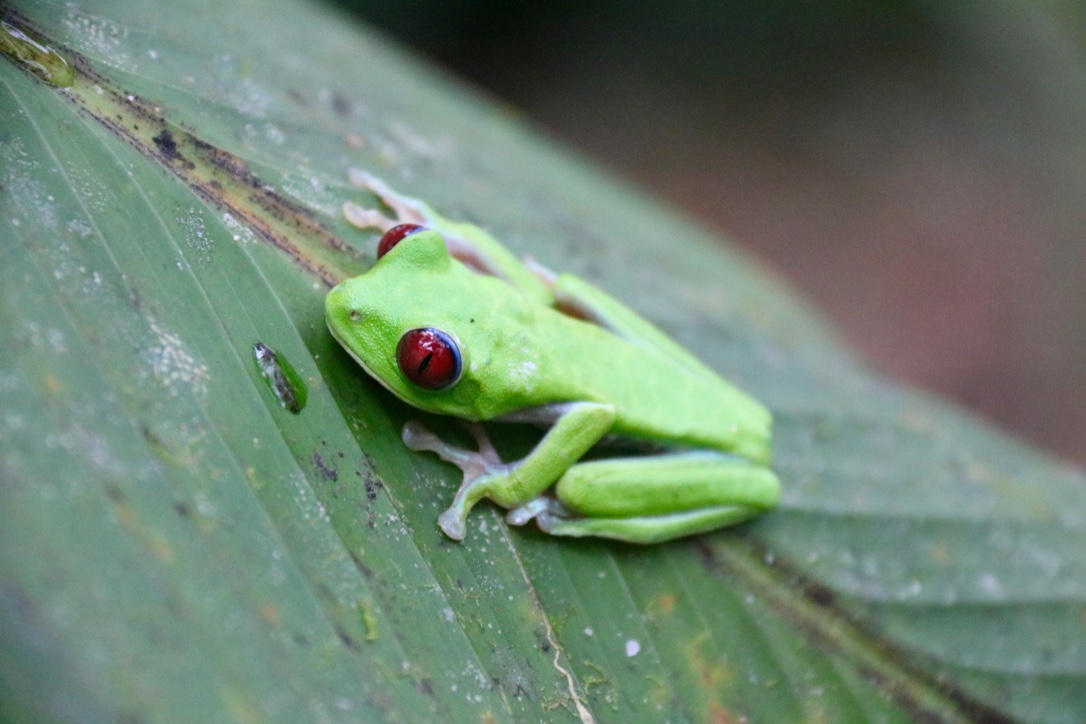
478, 467
543, 273
544, 507
418, 437
364, 218
407, 210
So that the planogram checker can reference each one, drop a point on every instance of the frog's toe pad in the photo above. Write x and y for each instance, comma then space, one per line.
543, 505
452, 525
417, 436
519, 516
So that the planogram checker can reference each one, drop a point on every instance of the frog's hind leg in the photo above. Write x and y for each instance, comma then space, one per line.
408, 210
473, 246
653, 499
648, 529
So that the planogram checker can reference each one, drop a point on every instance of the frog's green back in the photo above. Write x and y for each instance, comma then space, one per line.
657, 397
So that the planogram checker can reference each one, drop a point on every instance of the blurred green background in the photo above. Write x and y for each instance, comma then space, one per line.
917, 169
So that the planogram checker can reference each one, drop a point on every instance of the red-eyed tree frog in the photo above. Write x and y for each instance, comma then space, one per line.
452, 323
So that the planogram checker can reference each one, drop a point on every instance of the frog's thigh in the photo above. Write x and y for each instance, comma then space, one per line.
660, 485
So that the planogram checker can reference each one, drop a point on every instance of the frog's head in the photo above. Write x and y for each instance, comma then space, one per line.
402, 321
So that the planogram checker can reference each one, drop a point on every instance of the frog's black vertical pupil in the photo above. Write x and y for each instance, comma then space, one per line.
429, 358
424, 364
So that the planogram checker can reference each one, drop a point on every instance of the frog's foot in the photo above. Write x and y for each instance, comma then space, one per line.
364, 218
543, 273
544, 505
478, 468
418, 437
406, 209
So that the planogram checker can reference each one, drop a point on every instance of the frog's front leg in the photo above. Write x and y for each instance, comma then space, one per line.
577, 427
474, 464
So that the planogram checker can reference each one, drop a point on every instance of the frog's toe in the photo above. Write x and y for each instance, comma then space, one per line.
417, 436
553, 524
543, 505
452, 525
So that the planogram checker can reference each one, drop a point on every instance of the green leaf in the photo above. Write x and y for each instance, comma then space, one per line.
175, 545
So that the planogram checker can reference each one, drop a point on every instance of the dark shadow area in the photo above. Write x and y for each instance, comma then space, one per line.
917, 169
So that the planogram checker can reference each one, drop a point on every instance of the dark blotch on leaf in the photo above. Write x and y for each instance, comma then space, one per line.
279, 376
166, 145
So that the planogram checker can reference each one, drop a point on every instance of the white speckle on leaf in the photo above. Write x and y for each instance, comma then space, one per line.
56, 341
51, 339
633, 648
196, 234
174, 366
80, 228
24, 190
989, 584
312, 190
274, 134
240, 231
249, 97
588, 631
97, 36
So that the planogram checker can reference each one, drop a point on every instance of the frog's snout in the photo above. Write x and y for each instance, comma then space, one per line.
338, 310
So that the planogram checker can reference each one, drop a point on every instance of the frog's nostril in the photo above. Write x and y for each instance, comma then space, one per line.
355, 315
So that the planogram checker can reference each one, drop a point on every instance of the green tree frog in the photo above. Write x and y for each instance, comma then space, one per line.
452, 323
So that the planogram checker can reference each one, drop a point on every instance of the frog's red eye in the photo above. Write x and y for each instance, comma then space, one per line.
395, 235
429, 358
